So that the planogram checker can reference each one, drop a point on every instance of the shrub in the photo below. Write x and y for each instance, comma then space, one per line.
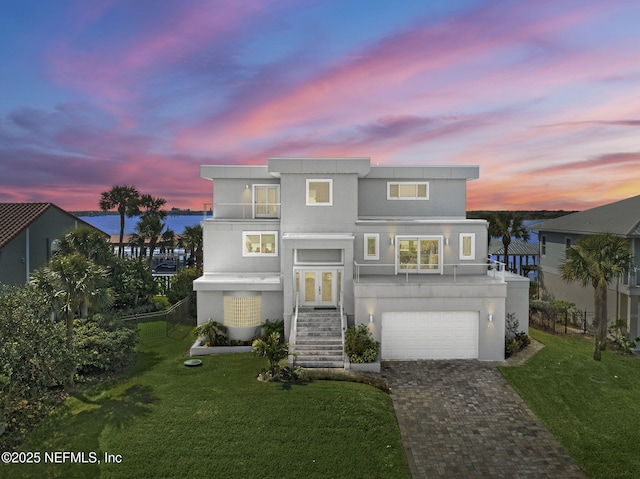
182, 286
275, 351
265, 330
215, 334
618, 337
33, 354
515, 340
359, 344
104, 344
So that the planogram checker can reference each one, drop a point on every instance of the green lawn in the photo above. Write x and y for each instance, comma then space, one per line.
167, 420
592, 408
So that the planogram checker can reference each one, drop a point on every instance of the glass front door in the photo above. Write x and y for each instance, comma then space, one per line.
318, 288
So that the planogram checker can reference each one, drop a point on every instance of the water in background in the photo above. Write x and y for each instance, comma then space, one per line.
110, 224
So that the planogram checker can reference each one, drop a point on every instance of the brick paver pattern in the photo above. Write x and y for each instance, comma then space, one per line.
461, 419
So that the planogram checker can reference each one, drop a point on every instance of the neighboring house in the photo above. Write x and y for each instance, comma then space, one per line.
389, 246
27, 233
621, 218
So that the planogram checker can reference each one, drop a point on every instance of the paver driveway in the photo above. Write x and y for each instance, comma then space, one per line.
461, 419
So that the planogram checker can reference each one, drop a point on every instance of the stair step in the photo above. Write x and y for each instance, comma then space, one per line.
320, 364
302, 350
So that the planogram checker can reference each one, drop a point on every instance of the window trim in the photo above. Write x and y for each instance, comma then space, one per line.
472, 256
439, 270
319, 180
247, 254
400, 198
365, 254
254, 203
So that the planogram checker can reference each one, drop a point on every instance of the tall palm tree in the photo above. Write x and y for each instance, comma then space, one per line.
191, 241
151, 223
596, 260
126, 200
507, 225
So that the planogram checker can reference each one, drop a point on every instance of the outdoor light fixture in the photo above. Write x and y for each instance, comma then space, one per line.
391, 240
246, 187
371, 318
446, 241
490, 317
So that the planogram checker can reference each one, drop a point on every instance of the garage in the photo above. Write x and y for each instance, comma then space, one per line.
429, 335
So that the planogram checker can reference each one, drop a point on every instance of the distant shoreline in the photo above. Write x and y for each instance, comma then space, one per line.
171, 212
526, 214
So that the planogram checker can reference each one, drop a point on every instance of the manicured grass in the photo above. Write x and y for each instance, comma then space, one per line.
217, 420
591, 407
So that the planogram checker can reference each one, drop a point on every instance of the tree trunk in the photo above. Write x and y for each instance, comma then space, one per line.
600, 321
69, 382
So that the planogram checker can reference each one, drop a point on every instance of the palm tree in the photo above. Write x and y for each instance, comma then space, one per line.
125, 199
151, 223
74, 283
191, 241
89, 242
507, 225
596, 260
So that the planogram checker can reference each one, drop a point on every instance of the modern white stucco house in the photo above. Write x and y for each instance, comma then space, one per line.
621, 218
388, 246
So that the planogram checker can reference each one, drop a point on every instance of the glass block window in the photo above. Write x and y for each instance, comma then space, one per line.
242, 311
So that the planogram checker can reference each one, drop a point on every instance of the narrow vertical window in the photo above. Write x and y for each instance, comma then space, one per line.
371, 246
467, 246
543, 245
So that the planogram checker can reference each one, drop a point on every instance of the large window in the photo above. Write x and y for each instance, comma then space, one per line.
419, 254
467, 246
265, 201
403, 190
319, 192
371, 246
260, 243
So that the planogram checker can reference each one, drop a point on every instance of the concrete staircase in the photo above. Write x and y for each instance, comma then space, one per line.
319, 339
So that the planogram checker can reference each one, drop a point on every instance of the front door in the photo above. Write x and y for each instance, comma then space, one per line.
318, 287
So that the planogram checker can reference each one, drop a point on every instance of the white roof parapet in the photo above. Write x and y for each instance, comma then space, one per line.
359, 166
452, 172
214, 172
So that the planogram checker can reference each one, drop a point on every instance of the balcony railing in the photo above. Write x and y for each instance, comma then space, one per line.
246, 210
494, 268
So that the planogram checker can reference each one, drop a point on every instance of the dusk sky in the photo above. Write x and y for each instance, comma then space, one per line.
543, 95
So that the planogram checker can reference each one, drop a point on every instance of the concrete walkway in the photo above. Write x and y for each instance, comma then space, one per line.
461, 419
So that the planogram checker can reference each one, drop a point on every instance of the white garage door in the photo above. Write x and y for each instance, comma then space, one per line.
430, 335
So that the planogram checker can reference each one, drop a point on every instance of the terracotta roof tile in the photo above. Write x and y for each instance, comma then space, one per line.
15, 217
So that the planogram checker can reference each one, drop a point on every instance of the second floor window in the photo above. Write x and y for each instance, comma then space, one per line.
319, 192
407, 190
260, 243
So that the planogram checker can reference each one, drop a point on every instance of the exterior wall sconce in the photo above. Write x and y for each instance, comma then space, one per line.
490, 317
246, 187
371, 318
392, 241
446, 241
